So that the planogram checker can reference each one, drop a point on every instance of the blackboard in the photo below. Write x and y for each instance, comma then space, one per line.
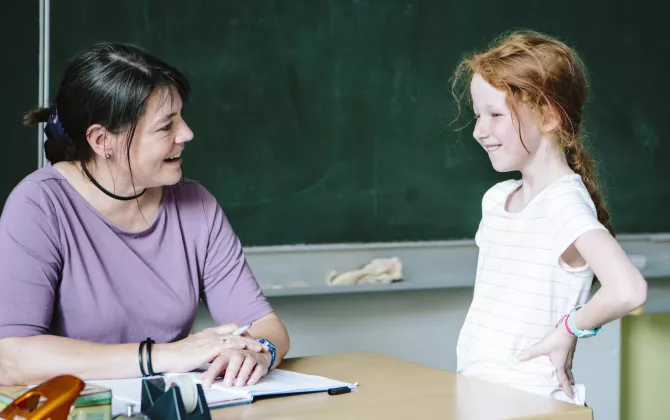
19, 73
328, 121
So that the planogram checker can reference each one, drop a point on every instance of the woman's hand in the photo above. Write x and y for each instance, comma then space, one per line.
241, 367
559, 346
201, 348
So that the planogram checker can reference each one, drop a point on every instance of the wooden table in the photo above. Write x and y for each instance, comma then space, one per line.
394, 389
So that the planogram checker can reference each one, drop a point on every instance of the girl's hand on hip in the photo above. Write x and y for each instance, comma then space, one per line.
559, 346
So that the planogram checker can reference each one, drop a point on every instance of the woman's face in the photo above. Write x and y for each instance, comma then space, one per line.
158, 141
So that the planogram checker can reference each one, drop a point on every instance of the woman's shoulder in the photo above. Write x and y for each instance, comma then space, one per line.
42, 175
189, 191
36, 185
34, 197
191, 196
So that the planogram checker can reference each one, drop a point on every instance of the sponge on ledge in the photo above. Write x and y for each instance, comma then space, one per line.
378, 271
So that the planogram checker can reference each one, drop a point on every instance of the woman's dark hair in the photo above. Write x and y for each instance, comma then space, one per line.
110, 85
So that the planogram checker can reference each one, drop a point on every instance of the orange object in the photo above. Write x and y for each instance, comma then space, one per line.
57, 396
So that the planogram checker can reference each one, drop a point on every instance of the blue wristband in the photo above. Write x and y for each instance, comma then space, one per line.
272, 349
576, 331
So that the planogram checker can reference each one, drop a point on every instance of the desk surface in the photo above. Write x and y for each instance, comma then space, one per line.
394, 389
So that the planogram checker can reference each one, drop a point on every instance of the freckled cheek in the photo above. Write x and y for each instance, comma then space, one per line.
499, 131
508, 135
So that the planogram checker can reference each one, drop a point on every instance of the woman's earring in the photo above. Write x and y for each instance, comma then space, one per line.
108, 156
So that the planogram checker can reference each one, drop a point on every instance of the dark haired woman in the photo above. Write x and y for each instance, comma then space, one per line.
106, 252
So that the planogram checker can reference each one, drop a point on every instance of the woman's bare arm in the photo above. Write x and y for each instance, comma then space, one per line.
32, 360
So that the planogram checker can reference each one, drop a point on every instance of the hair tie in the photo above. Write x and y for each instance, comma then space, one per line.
53, 128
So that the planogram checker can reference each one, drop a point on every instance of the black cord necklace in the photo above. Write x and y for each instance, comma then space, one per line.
101, 188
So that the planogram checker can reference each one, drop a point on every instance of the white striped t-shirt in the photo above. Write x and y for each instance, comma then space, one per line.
523, 287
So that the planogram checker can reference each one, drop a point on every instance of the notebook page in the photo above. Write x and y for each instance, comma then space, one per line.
215, 396
280, 381
276, 382
129, 391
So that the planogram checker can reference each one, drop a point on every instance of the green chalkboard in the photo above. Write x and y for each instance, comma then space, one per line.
327, 121
19, 73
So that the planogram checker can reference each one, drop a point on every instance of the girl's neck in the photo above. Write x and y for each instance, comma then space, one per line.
548, 165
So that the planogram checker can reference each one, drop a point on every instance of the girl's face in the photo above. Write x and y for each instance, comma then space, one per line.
500, 131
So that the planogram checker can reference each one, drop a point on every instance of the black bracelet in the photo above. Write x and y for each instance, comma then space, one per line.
149, 366
140, 358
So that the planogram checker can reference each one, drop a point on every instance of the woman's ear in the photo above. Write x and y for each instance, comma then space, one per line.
550, 119
97, 137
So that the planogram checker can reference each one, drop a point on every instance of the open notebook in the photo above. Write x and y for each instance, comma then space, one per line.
275, 383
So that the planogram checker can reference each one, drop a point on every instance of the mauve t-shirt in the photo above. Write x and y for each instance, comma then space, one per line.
66, 270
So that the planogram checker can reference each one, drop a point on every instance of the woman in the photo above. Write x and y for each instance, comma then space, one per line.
108, 249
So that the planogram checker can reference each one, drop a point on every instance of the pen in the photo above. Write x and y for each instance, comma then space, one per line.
242, 330
338, 391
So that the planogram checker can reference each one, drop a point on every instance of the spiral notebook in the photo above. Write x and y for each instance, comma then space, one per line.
276, 383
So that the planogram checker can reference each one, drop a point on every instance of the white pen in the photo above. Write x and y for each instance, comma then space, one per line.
242, 330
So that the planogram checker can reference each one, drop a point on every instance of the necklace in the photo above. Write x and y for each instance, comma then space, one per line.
111, 194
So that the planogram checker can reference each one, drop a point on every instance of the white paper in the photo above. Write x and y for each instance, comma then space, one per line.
276, 382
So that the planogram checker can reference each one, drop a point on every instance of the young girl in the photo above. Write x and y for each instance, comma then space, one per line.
542, 238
